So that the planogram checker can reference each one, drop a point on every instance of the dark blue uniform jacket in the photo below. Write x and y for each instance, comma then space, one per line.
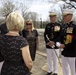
69, 39
53, 32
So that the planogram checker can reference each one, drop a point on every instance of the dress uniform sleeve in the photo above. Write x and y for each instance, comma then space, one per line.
74, 32
45, 33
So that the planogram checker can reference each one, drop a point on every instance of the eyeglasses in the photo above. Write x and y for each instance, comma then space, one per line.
28, 24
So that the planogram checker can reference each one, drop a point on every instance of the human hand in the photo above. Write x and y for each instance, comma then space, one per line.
62, 46
50, 43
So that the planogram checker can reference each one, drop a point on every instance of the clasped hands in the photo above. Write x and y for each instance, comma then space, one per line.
50, 43
58, 44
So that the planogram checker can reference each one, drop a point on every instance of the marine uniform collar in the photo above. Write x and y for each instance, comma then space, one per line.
69, 23
53, 23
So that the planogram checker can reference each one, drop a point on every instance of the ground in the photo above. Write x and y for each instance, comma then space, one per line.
40, 65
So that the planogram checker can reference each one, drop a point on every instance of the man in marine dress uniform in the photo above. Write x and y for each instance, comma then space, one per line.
68, 43
51, 36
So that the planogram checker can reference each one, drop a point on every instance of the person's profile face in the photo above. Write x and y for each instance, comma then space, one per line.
67, 18
53, 18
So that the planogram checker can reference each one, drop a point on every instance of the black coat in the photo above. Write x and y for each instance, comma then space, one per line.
3, 29
69, 39
52, 32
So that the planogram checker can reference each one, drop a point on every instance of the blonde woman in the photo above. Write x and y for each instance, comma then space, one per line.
15, 48
31, 34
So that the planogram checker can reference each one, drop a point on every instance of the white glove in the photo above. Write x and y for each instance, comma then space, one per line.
58, 44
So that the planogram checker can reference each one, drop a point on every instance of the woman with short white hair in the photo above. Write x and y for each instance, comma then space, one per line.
15, 48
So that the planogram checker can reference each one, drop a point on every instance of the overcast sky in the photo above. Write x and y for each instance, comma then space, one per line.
42, 7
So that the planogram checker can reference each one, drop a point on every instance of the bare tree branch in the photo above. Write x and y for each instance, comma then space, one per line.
7, 7
71, 5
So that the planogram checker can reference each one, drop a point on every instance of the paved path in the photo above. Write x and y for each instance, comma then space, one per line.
40, 65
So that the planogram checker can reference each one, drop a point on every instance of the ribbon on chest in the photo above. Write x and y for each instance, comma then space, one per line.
69, 37
56, 28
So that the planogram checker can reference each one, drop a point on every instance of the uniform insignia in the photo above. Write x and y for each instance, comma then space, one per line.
56, 28
69, 30
69, 39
